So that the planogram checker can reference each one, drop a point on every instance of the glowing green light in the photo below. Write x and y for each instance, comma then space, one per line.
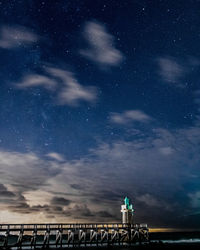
128, 205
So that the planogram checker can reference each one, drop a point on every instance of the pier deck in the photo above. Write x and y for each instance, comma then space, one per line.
71, 235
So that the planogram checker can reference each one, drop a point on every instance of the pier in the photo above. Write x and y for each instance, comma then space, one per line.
23, 236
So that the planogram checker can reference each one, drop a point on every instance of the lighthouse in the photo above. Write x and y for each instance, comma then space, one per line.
127, 212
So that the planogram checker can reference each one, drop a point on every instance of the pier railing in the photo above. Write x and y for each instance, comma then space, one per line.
71, 235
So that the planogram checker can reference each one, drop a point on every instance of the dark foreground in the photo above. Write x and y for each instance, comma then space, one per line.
150, 246
158, 241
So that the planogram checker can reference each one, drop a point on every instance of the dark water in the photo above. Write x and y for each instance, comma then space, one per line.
176, 237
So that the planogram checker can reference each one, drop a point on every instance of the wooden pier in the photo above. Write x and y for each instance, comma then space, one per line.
21, 236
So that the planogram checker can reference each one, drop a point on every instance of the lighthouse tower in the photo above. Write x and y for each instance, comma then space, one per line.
127, 212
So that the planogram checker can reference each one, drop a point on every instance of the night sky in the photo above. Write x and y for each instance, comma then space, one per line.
99, 100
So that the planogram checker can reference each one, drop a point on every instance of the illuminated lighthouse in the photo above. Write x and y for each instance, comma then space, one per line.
127, 211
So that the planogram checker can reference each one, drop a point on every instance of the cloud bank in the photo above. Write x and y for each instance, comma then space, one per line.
155, 171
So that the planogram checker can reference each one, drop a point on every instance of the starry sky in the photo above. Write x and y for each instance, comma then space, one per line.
99, 100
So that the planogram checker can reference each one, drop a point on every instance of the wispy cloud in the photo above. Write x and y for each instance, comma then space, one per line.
170, 69
129, 116
72, 92
67, 89
16, 36
174, 70
34, 80
101, 45
55, 156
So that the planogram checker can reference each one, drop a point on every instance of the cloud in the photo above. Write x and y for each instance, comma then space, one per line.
60, 201
170, 70
5, 193
26, 171
81, 211
166, 150
195, 199
197, 100
104, 214
55, 156
76, 186
17, 36
34, 80
173, 70
151, 201
67, 89
130, 116
101, 46
72, 92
